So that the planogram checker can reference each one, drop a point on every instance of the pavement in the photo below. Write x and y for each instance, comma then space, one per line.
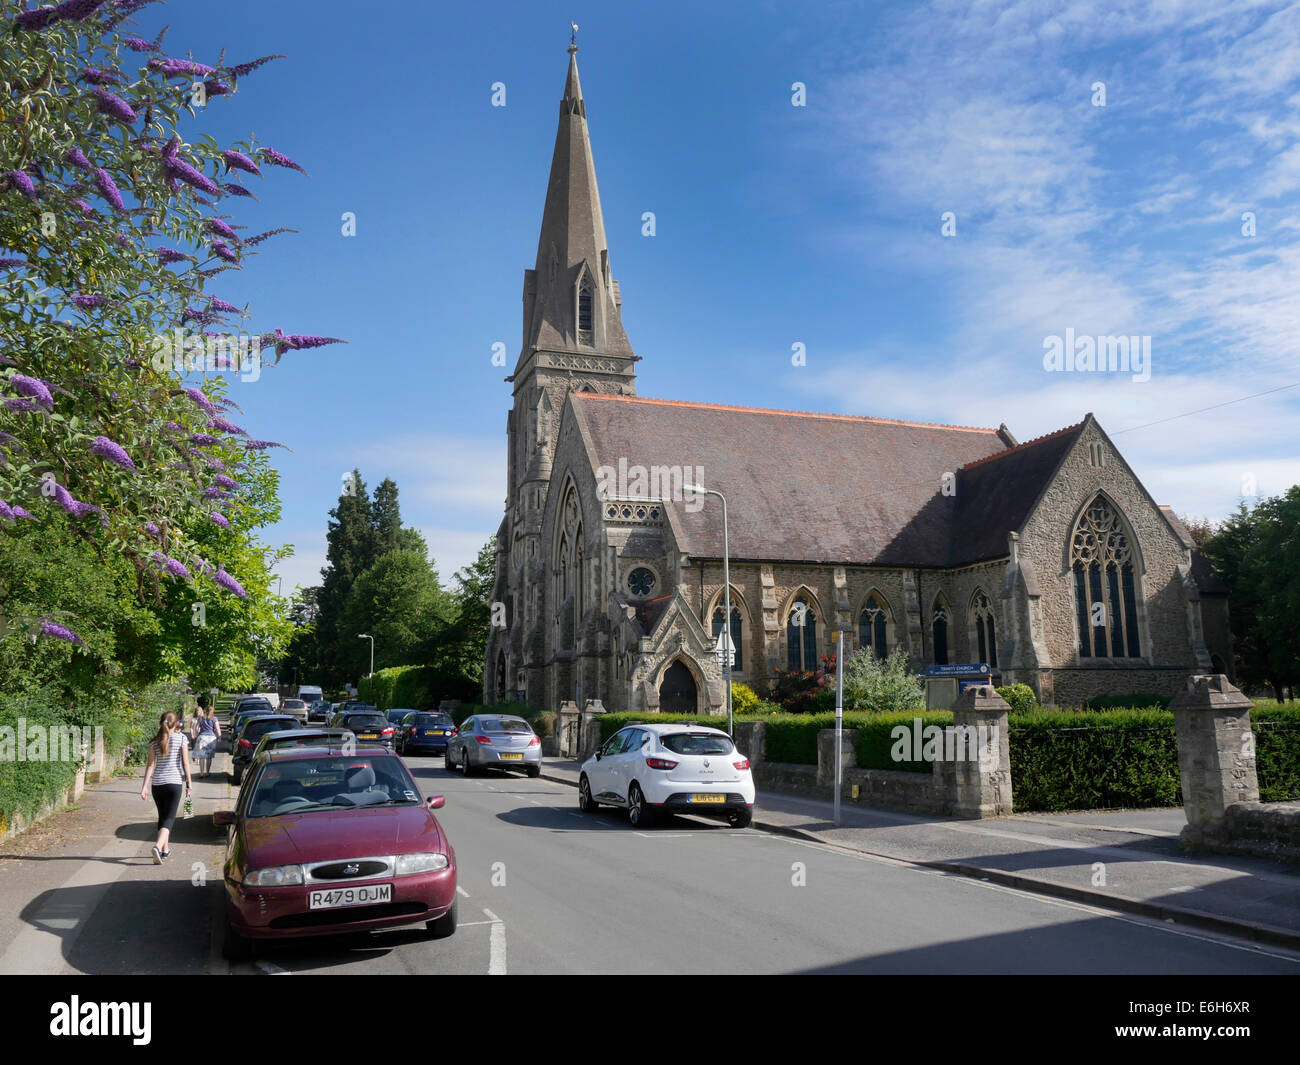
1125, 860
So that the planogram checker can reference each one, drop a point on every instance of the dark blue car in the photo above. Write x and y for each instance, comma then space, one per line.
424, 732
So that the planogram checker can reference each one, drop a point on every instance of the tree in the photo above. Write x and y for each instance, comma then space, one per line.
398, 602
457, 650
350, 551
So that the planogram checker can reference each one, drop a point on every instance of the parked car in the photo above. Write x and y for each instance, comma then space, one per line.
241, 751
301, 737
664, 769
296, 707
368, 724
424, 730
495, 741
325, 841
318, 711
254, 709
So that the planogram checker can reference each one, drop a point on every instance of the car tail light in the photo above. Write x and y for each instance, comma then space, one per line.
245, 743
483, 739
741, 765
387, 732
534, 741
411, 731
660, 763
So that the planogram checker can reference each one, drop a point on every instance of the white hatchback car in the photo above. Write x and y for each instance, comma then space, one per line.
666, 769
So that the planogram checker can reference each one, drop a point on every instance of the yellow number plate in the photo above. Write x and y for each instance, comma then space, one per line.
708, 798
511, 757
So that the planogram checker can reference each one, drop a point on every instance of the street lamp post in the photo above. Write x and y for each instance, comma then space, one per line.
726, 596
367, 636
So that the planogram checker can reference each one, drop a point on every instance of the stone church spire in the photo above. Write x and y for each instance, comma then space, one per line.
571, 301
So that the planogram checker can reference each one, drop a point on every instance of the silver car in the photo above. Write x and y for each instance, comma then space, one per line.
495, 741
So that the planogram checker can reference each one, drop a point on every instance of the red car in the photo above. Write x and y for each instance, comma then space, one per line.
324, 841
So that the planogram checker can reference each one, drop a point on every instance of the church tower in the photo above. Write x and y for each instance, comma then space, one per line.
573, 340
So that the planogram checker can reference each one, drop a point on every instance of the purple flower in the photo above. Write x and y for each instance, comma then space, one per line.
202, 400
167, 255
11, 264
226, 427
58, 632
296, 341
180, 68
139, 44
6, 511
113, 106
73, 506
202, 317
95, 76
237, 190
219, 519
19, 180
177, 168
223, 250
106, 186
21, 512
33, 388
106, 449
45, 16
229, 583
77, 157
269, 233
84, 207
247, 68
22, 405
223, 229
87, 303
216, 88
239, 161
176, 569
270, 155
203, 439
221, 305
222, 481
215, 493
175, 427
153, 530
261, 445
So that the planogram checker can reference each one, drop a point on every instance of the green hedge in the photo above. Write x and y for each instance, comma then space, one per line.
399, 687
1091, 760
1138, 700
1277, 751
876, 742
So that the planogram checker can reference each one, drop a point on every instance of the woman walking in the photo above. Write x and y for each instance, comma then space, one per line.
208, 733
168, 770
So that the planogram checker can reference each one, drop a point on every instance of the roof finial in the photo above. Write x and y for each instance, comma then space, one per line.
573, 37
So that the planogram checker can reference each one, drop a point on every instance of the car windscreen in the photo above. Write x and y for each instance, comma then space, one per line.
306, 784
697, 743
364, 721
503, 724
436, 720
260, 726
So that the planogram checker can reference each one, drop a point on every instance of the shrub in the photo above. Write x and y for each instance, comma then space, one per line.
1277, 751
877, 743
880, 685
743, 699
399, 687
1123, 702
803, 692
1020, 697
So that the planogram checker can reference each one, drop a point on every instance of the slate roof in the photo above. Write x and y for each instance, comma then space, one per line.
829, 488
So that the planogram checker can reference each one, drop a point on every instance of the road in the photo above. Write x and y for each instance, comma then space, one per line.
546, 889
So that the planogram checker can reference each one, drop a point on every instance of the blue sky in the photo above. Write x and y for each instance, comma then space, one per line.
775, 225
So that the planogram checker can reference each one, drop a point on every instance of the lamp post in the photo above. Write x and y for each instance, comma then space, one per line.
366, 636
726, 595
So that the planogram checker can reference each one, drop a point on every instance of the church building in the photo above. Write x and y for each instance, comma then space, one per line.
1045, 559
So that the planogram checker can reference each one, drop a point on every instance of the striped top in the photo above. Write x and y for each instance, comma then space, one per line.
168, 770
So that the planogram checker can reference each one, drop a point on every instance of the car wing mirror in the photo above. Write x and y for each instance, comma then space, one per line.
223, 818
436, 802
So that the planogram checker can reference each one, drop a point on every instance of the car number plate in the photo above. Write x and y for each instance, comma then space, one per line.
335, 898
432, 732
511, 757
705, 797
368, 736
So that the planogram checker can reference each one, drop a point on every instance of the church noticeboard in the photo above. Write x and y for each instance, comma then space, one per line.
944, 683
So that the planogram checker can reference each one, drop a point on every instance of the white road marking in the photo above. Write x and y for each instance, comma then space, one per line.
497, 949
461, 891
271, 969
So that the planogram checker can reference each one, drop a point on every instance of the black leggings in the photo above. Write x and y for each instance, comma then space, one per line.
167, 797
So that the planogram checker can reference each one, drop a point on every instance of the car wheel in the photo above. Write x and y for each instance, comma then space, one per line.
534, 771
464, 764
444, 925
639, 812
741, 818
236, 775
236, 948
586, 803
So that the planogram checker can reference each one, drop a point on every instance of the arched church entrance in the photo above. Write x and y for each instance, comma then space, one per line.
677, 694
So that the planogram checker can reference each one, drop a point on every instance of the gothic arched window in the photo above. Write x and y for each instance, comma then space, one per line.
586, 331
939, 630
735, 632
1105, 589
801, 636
986, 637
873, 626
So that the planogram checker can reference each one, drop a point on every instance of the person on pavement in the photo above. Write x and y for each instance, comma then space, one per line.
168, 770
209, 731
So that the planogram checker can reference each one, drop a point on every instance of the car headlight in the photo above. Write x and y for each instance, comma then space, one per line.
274, 876
420, 863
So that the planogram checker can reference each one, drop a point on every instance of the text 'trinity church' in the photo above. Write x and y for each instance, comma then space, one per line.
1046, 559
